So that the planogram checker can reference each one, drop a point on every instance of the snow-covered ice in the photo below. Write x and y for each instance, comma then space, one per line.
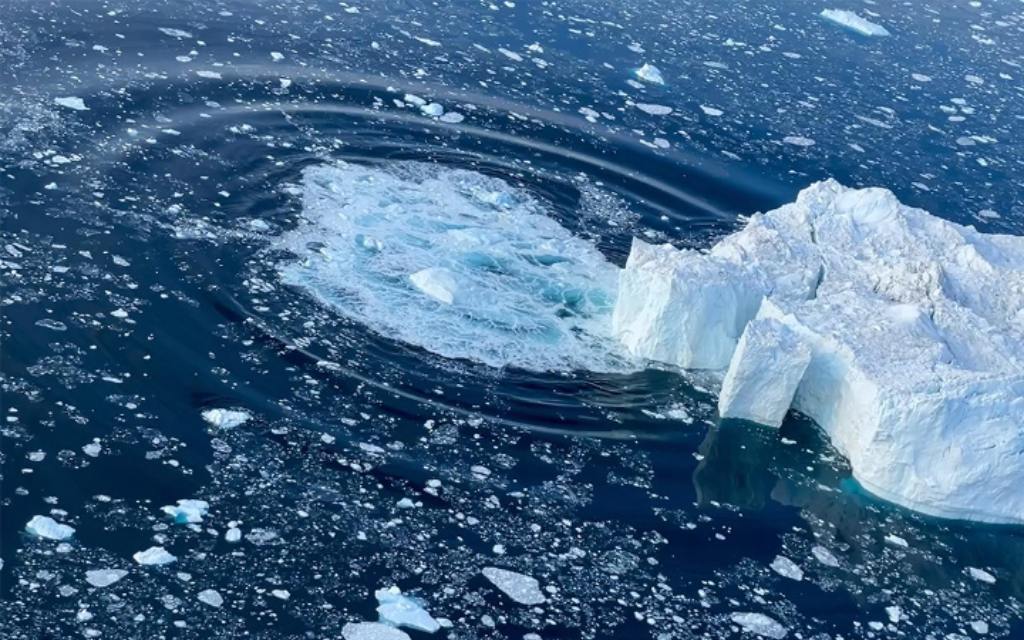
402, 611
48, 528
853, 22
521, 588
915, 327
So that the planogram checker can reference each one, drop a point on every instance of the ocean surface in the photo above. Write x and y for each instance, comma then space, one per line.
217, 205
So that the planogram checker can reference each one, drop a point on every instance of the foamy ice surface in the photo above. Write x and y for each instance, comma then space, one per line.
455, 262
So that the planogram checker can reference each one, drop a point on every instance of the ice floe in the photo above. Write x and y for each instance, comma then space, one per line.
71, 102
914, 326
226, 418
402, 611
521, 588
372, 631
48, 528
188, 511
153, 556
853, 22
100, 578
650, 73
760, 624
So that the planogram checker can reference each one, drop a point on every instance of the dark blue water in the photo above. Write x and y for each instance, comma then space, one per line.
144, 233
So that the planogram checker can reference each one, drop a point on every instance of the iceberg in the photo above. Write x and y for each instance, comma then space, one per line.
153, 556
521, 588
188, 511
101, 578
901, 334
853, 22
226, 418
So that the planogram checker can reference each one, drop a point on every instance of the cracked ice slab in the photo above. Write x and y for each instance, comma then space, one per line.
914, 327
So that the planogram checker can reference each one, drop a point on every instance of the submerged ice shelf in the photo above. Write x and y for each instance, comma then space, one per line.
899, 333
461, 264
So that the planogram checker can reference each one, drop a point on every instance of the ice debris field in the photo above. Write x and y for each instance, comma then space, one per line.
899, 333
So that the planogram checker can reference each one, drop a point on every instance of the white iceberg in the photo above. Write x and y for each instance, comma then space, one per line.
402, 611
100, 578
650, 73
372, 631
760, 624
853, 22
48, 528
226, 418
915, 328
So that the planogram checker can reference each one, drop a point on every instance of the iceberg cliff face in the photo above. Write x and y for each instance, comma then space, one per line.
899, 333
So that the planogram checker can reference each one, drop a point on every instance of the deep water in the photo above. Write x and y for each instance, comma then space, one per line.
159, 258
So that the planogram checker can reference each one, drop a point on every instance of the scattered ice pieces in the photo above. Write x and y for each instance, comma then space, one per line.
854, 22
226, 418
650, 73
210, 597
521, 588
48, 528
760, 624
402, 611
372, 631
787, 568
100, 578
188, 511
153, 556
72, 102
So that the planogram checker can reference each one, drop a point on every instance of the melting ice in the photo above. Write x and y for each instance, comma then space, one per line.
456, 262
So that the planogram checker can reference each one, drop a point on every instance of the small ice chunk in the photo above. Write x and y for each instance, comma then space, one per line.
211, 597
824, 556
72, 102
799, 141
787, 568
711, 111
174, 33
100, 578
188, 511
402, 611
226, 418
760, 624
437, 282
372, 631
234, 534
521, 588
650, 73
153, 556
48, 528
765, 371
854, 22
981, 575
433, 110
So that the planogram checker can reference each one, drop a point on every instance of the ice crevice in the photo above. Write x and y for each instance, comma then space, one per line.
901, 334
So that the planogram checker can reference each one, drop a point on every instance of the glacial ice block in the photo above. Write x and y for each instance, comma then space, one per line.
914, 326
765, 371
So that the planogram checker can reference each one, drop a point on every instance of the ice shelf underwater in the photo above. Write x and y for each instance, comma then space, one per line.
901, 334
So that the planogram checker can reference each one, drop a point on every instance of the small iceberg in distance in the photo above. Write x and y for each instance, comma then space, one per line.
901, 334
853, 22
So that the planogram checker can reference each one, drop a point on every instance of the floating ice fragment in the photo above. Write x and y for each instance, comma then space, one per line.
234, 534
402, 611
799, 141
51, 324
174, 33
100, 578
188, 511
212, 75
787, 568
711, 111
153, 556
760, 624
210, 597
48, 528
824, 556
521, 588
372, 631
92, 449
854, 22
226, 418
650, 73
433, 110
72, 103
654, 109
452, 117
981, 575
